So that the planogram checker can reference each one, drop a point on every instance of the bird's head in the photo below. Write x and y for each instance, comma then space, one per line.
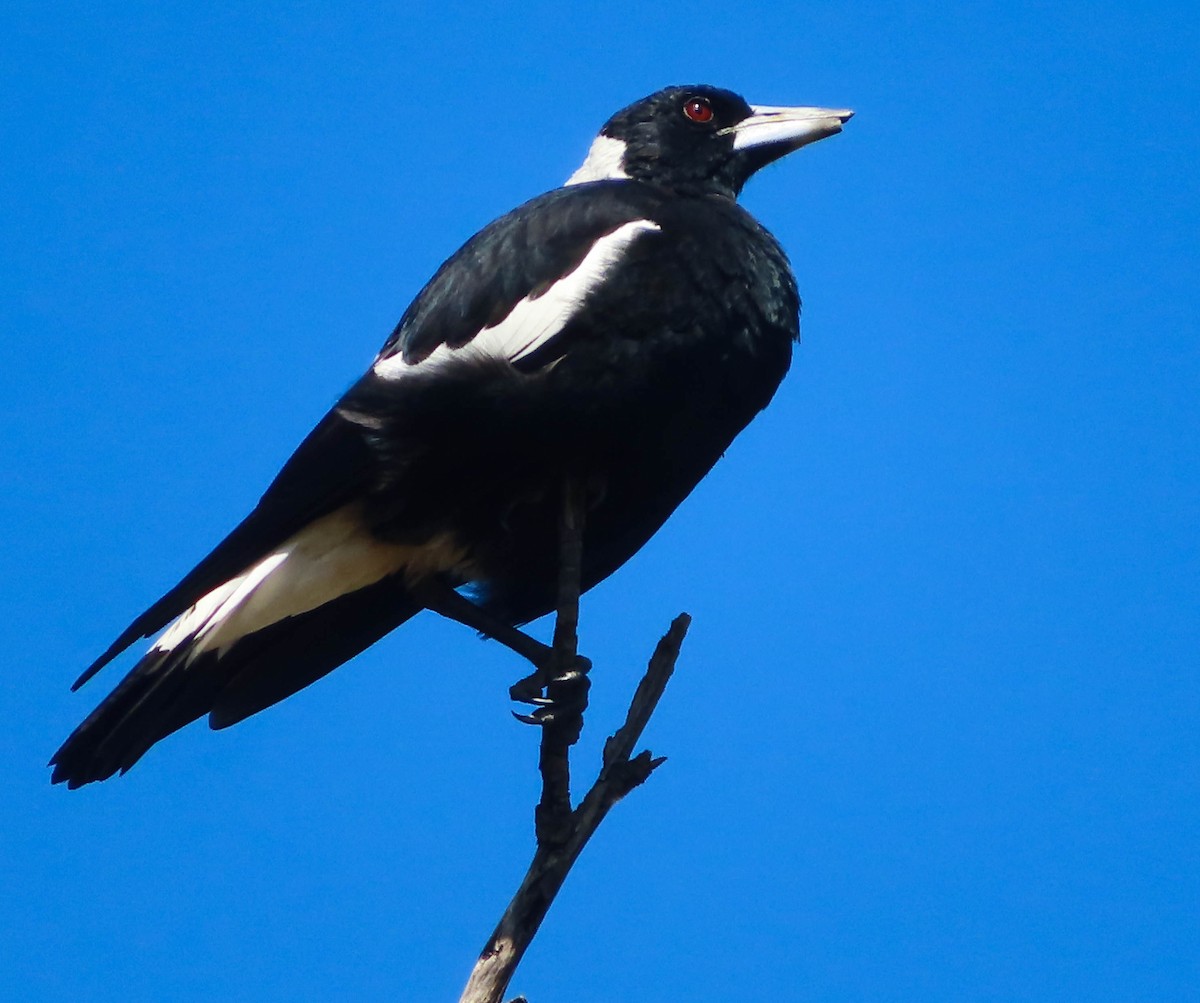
701, 140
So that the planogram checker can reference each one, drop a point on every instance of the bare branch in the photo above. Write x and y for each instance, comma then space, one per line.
553, 859
553, 813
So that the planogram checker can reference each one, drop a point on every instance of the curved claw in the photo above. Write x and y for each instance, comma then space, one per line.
560, 707
552, 711
543, 717
529, 689
570, 675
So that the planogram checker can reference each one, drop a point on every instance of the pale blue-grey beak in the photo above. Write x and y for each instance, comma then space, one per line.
788, 127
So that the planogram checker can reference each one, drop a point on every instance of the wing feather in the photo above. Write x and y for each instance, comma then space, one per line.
515, 283
329, 468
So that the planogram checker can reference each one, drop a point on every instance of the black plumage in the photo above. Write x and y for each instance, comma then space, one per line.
620, 330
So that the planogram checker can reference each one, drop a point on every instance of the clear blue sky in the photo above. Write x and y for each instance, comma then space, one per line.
934, 735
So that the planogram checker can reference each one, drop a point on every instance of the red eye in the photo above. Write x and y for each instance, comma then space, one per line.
698, 110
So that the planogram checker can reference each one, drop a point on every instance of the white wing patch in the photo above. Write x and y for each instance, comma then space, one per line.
198, 616
604, 162
330, 558
533, 321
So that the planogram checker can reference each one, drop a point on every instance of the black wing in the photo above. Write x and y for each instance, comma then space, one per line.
519, 256
330, 466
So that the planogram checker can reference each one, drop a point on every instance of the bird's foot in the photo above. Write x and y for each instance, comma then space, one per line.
558, 697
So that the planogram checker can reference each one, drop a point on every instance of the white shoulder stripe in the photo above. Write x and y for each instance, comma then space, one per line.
533, 321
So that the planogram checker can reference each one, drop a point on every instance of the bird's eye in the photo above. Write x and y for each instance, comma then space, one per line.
698, 110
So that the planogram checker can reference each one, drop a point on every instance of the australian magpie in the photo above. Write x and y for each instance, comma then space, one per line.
618, 331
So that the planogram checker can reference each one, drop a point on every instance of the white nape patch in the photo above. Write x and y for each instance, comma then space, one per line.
330, 558
604, 162
533, 321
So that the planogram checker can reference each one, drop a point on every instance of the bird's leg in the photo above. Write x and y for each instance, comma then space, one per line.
558, 686
566, 686
561, 715
436, 594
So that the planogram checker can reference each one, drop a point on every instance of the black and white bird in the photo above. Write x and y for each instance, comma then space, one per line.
620, 330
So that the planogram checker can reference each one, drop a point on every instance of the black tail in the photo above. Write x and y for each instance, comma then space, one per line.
169, 689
